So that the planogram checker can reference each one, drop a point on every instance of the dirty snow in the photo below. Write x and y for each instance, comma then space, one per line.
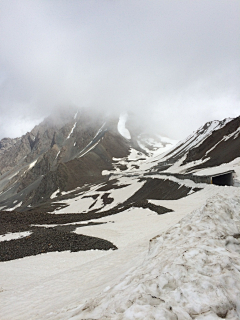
233, 165
191, 271
61, 285
88, 149
13, 176
177, 167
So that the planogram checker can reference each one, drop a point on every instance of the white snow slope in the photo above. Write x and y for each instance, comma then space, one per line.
192, 271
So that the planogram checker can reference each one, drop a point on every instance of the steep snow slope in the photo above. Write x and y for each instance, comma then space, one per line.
215, 143
197, 137
220, 147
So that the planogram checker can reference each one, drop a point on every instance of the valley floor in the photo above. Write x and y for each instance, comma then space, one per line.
56, 285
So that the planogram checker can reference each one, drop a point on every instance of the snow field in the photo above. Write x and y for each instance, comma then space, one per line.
119, 228
191, 271
82, 204
56, 285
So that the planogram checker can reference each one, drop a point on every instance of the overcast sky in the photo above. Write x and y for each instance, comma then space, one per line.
175, 64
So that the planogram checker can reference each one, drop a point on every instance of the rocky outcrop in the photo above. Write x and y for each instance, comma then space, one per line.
7, 143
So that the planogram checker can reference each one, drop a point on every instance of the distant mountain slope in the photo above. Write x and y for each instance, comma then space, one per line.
222, 146
77, 149
74, 189
213, 144
66, 151
196, 138
63, 152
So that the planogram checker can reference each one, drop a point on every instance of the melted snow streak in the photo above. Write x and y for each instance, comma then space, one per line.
192, 271
74, 126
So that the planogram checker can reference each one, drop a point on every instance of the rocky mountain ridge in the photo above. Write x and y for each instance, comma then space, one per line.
55, 153
73, 150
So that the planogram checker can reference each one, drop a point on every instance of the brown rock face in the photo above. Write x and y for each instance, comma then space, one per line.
62, 152
7, 143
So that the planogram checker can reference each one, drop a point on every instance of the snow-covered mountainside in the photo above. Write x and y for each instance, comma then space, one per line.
197, 137
215, 143
65, 152
100, 221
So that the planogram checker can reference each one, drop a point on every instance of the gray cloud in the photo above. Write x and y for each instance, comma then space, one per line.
175, 64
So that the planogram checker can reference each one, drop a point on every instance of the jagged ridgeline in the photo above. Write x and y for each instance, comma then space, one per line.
65, 151
71, 151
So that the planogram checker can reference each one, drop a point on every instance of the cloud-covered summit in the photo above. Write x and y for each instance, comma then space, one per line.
174, 64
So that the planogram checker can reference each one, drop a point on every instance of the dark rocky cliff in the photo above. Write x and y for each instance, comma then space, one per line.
63, 152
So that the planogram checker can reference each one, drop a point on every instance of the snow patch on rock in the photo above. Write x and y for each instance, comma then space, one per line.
14, 236
32, 164
74, 126
122, 128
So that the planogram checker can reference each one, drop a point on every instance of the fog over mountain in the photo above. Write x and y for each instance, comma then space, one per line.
174, 64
